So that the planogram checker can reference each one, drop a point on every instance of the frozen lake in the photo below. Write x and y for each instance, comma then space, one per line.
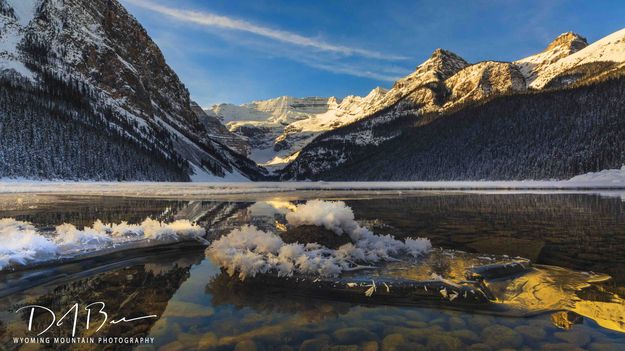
196, 305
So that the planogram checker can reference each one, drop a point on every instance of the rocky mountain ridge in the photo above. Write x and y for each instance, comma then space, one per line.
278, 129
427, 94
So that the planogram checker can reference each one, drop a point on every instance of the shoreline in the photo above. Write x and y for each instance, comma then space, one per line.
213, 188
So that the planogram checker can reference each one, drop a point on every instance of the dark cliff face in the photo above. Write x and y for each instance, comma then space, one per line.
126, 62
104, 58
218, 132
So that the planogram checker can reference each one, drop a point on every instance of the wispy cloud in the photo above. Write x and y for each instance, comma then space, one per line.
351, 70
208, 19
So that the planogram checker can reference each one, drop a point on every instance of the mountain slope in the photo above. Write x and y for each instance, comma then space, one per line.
554, 134
567, 62
86, 94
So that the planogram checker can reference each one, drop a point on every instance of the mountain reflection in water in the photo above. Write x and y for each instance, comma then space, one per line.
199, 307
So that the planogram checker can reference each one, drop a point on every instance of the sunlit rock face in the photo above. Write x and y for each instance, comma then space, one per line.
482, 80
569, 60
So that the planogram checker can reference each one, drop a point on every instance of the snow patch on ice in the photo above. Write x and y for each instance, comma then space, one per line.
249, 251
607, 176
333, 215
22, 244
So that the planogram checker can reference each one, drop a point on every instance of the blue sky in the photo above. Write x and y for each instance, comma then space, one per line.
239, 51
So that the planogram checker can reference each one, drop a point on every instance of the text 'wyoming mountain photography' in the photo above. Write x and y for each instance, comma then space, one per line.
312, 175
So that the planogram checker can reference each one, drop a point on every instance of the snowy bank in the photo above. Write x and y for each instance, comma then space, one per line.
607, 177
23, 244
613, 179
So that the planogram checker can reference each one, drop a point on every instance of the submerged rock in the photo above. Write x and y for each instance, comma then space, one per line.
498, 336
245, 345
316, 344
566, 319
443, 342
393, 342
498, 270
465, 335
577, 337
354, 335
456, 323
370, 346
480, 347
531, 333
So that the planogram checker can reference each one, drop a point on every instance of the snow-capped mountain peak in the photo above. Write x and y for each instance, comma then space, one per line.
608, 49
569, 41
283, 109
444, 62
376, 93
278, 128
533, 67
441, 65
352, 104
569, 60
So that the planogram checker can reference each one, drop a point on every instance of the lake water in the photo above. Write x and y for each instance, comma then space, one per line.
196, 306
